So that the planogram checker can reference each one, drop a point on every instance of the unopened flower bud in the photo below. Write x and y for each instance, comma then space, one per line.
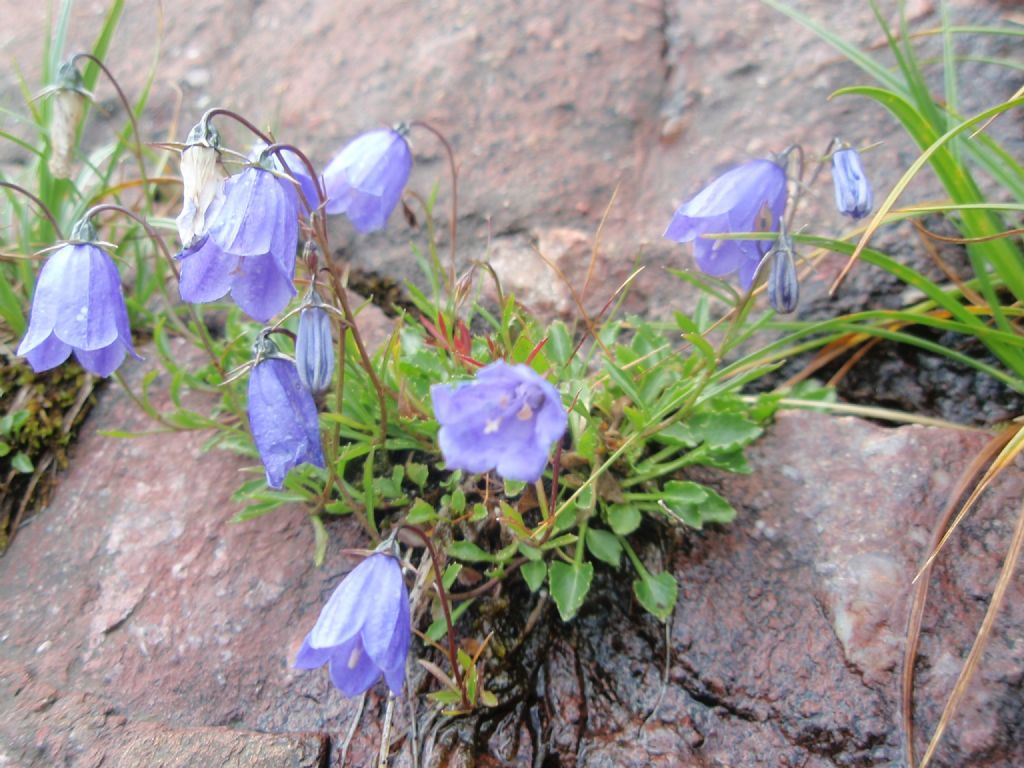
314, 351
202, 178
783, 285
853, 191
69, 102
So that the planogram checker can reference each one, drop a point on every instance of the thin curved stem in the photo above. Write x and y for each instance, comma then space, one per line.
453, 216
203, 333
212, 113
453, 655
42, 206
278, 149
127, 108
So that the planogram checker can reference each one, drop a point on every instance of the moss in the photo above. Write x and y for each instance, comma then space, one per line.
45, 401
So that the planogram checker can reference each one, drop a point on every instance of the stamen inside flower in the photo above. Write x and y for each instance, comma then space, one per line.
526, 412
492, 426
353, 658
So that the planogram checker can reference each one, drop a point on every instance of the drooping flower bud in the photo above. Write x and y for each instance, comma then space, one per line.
282, 415
202, 178
853, 191
783, 285
69, 102
314, 350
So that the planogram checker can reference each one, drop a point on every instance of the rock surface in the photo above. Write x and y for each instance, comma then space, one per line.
136, 616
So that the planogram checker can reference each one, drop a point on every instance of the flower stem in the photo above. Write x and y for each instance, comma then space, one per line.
39, 203
453, 216
127, 108
201, 330
211, 113
442, 593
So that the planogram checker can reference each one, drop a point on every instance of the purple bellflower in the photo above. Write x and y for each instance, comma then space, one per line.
363, 631
296, 169
853, 191
750, 198
366, 179
78, 306
282, 415
506, 420
249, 247
314, 350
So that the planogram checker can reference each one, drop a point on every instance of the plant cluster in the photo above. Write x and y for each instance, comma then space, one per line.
478, 439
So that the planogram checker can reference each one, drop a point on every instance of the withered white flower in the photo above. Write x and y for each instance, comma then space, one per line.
202, 177
69, 102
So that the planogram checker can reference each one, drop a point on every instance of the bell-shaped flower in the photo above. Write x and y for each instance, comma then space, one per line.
288, 163
202, 178
282, 415
70, 99
750, 198
363, 631
366, 179
506, 420
314, 350
783, 285
249, 247
853, 191
78, 306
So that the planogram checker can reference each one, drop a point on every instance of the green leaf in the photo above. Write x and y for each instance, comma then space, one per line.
725, 430
677, 434
421, 512
417, 473
716, 509
4, 449
624, 518
657, 593
570, 583
22, 463
458, 501
731, 461
533, 574
450, 574
470, 552
604, 546
681, 492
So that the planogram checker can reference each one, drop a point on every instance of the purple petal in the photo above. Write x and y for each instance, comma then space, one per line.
46, 354
246, 220
89, 298
259, 287
102, 362
346, 611
352, 670
365, 181
283, 419
309, 657
206, 272
389, 595
393, 662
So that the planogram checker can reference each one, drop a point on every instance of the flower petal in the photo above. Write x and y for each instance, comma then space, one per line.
345, 612
206, 272
309, 657
90, 299
46, 354
260, 288
102, 362
352, 669
246, 220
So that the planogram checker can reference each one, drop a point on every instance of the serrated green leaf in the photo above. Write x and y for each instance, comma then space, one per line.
679, 434
604, 545
624, 518
534, 572
731, 461
724, 430
657, 593
569, 584
479, 513
716, 509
